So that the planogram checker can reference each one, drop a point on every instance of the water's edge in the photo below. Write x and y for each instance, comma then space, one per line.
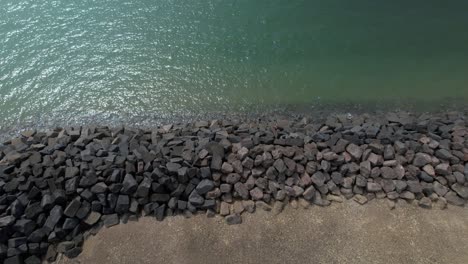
317, 111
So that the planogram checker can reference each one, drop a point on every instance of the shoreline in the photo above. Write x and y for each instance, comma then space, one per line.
59, 186
316, 111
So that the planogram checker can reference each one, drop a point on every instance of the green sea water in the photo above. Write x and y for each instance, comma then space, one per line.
121, 60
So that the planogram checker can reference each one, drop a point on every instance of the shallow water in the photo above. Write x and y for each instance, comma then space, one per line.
124, 60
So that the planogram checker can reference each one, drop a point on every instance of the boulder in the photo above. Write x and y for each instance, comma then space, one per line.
129, 184
204, 186
233, 219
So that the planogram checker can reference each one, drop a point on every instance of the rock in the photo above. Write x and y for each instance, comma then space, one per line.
304, 203
47, 201
144, 187
224, 209
443, 154
16, 242
54, 217
242, 153
379, 195
421, 159
248, 163
354, 151
205, 172
238, 208
425, 202
297, 191
429, 170
278, 207
318, 179
70, 223
423, 176
400, 186
309, 193
217, 152
360, 199
62, 246
195, 199
388, 173
24, 226
399, 171
337, 178
159, 212
279, 166
129, 184
280, 195
242, 190
7, 220
203, 153
391, 204
173, 167
92, 218
226, 168
237, 165
440, 189
73, 253
389, 152
459, 177
249, 206
283, 124
256, 194
199, 124
305, 180
414, 186
111, 220
210, 213
377, 148
160, 197
214, 194
37, 235
226, 188
99, 187
72, 208
375, 160
233, 219
257, 172
462, 191
204, 186
123, 204
388, 185
441, 203
453, 198
407, 195
361, 181
393, 195
334, 198
390, 163
71, 172
51, 254
262, 205
232, 178
182, 174
365, 168
373, 187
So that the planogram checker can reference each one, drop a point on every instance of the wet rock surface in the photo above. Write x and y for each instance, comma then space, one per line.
57, 187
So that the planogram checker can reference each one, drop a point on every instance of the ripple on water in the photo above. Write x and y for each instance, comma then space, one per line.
73, 62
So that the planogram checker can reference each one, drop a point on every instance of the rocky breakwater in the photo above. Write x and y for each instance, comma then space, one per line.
59, 186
